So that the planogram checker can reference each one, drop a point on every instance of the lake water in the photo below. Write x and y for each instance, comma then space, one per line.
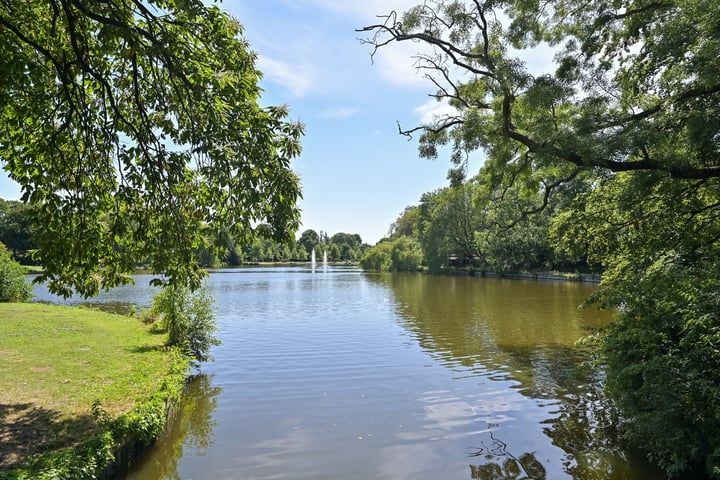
338, 374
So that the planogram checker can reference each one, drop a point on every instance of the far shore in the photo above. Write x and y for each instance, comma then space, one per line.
583, 277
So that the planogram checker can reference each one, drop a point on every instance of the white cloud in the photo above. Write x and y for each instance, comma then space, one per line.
398, 67
539, 60
432, 110
299, 79
311, 47
367, 10
342, 112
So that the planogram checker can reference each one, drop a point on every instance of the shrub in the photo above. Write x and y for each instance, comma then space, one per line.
399, 255
375, 260
406, 255
188, 318
663, 357
14, 286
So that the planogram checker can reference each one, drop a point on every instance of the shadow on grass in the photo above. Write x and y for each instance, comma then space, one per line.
155, 329
26, 430
147, 348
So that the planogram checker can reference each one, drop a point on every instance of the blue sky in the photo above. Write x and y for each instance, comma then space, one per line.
357, 173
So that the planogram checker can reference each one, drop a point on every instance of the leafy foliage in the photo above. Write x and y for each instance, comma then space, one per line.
16, 229
516, 235
14, 286
188, 318
407, 223
449, 225
405, 255
663, 356
476, 227
376, 259
309, 240
135, 130
660, 250
347, 246
618, 100
402, 254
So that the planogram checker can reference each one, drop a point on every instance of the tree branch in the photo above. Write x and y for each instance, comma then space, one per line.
452, 121
394, 29
684, 172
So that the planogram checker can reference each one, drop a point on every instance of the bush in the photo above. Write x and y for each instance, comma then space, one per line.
375, 260
14, 286
406, 255
399, 255
663, 356
188, 318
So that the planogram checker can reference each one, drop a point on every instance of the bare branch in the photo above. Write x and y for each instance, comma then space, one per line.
547, 191
449, 123
458, 56
445, 94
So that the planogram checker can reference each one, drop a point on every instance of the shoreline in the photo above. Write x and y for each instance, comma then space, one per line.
129, 443
83, 393
595, 278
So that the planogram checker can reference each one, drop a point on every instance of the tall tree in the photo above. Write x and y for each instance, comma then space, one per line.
450, 224
308, 240
136, 130
348, 246
16, 229
634, 104
406, 225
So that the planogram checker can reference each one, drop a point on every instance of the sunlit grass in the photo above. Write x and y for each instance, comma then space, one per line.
57, 361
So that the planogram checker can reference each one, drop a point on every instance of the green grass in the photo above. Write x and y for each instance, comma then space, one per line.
33, 268
57, 361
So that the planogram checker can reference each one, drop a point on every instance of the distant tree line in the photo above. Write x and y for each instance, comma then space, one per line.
475, 227
341, 247
18, 229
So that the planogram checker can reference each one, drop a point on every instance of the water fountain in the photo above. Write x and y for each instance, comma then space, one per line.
325, 260
312, 259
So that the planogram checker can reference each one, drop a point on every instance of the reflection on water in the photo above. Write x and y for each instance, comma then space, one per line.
190, 427
340, 374
522, 332
462, 318
499, 464
123, 300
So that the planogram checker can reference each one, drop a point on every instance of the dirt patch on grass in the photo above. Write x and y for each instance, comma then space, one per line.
41, 369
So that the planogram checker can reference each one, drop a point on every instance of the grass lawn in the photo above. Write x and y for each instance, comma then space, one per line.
57, 361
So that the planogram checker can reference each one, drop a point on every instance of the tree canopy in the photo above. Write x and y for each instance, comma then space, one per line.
16, 228
626, 128
135, 129
636, 84
309, 239
13, 285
